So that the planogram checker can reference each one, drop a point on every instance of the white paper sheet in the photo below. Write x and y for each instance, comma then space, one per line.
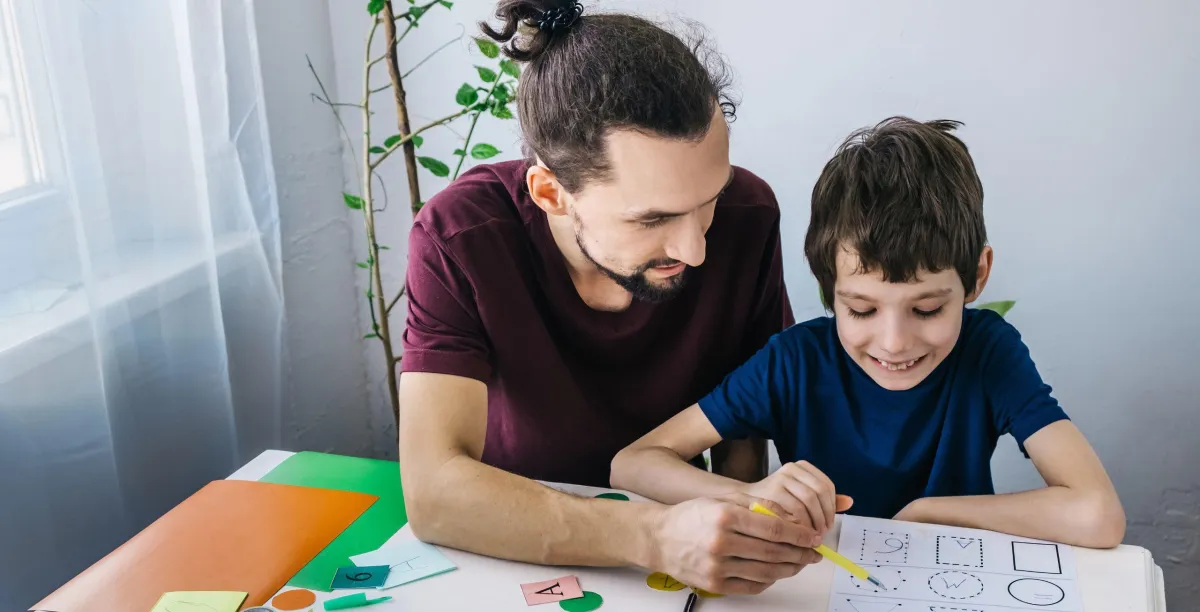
930, 568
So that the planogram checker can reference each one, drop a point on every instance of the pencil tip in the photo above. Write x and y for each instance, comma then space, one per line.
875, 581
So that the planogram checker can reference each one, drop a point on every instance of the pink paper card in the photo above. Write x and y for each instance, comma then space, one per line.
551, 591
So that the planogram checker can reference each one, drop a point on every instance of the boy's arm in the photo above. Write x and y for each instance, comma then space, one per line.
656, 465
1078, 506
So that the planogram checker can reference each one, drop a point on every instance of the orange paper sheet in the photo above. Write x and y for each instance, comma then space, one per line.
230, 536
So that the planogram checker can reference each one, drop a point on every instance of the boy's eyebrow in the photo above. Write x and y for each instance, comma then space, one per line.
850, 295
654, 215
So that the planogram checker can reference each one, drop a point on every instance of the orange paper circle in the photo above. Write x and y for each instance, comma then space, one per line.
298, 599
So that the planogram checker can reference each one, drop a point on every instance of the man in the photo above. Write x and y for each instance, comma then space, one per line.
561, 308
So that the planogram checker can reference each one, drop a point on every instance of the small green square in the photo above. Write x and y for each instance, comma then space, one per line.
354, 577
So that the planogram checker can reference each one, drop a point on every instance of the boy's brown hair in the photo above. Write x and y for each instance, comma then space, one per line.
903, 196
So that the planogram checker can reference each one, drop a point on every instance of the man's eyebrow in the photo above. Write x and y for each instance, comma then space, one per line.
651, 214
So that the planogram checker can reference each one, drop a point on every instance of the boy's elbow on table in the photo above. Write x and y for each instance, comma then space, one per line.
1101, 519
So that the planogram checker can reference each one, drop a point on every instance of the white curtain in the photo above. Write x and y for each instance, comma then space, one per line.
140, 299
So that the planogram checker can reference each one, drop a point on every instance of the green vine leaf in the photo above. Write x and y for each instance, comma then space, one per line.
417, 141
377, 150
501, 112
488, 48
383, 248
466, 95
487, 74
416, 13
459, 152
369, 336
446, 3
392, 140
510, 68
484, 151
436, 167
362, 264
1001, 308
353, 201
374, 6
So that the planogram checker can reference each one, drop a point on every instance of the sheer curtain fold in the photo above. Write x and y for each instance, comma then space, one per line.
154, 366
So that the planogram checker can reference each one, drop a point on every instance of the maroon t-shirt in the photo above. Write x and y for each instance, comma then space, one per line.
490, 298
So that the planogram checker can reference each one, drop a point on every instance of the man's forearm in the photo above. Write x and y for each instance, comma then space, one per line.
659, 473
1051, 513
478, 508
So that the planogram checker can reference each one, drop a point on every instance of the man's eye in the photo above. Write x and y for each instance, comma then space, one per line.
654, 222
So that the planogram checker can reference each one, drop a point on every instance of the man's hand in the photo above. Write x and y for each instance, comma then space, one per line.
805, 493
720, 546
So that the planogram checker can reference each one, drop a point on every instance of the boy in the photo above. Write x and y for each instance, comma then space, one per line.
900, 396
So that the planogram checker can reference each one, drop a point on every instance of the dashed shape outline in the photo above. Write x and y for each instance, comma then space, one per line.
969, 574
862, 547
938, 552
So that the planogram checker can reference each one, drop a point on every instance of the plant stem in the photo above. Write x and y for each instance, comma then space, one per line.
394, 300
471, 132
410, 150
379, 325
406, 139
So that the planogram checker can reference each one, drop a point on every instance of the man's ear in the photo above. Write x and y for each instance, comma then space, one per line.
545, 190
982, 273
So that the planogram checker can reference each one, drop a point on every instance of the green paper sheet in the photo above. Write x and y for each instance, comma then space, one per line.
383, 519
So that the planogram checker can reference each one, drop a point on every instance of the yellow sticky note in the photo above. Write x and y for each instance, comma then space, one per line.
200, 601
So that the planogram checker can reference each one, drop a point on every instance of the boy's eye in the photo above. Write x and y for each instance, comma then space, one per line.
927, 314
860, 314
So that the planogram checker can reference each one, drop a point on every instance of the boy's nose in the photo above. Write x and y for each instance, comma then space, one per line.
894, 339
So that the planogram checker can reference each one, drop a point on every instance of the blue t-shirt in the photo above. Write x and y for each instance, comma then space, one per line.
886, 448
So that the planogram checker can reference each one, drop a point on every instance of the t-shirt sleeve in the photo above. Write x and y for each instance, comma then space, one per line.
443, 333
772, 311
746, 403
1020, 400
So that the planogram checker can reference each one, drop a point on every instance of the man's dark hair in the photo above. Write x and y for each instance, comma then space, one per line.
901, 196
592, 74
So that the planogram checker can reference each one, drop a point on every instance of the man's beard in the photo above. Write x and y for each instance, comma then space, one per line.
637, 284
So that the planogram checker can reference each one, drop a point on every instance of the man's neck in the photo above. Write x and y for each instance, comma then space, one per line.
595, 288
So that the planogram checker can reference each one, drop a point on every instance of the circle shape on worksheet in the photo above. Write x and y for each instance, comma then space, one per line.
259, 609
590, 601
662, 582
616, 496
298, 599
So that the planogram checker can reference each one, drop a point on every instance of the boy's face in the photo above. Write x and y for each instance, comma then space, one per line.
899, 332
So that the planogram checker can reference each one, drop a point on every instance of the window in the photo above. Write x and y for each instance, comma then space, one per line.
20, 158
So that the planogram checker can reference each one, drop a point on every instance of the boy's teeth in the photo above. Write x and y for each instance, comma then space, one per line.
896, 366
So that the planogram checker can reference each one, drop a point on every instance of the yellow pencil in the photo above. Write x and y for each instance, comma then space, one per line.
831, 554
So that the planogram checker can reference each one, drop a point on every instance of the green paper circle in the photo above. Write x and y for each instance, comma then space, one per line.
620, 496
590, 601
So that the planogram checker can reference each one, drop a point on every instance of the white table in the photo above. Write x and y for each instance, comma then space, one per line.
484, 584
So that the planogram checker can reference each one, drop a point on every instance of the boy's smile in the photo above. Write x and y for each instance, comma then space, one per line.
898, 333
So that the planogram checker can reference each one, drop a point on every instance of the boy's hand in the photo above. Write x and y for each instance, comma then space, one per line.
804, 492
720, 546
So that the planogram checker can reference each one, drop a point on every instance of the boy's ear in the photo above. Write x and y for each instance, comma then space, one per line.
545, 190
981, 273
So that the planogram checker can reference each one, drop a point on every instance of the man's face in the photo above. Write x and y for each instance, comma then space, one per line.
897, 332
645, 227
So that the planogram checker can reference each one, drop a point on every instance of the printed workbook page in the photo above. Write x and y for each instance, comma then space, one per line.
930, 568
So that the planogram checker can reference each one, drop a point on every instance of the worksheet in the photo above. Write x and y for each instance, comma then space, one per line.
930, 568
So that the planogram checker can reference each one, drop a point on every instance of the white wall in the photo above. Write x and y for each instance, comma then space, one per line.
1082, 117
326, 406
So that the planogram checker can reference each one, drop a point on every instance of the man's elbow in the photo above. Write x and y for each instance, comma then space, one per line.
1102, 519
